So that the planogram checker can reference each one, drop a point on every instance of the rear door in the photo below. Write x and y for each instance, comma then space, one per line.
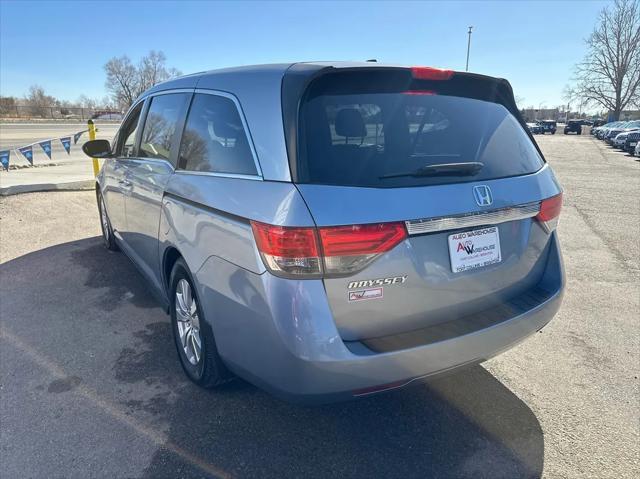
147, 176
448, 162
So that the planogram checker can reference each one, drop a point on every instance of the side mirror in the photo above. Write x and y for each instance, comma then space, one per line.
97, 149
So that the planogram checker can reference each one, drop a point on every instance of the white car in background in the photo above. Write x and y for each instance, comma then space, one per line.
620, 139
637, 150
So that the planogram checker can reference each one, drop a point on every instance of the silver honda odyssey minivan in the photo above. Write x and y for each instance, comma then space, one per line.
333, 230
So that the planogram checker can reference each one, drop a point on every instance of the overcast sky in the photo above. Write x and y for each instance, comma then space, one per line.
63, 46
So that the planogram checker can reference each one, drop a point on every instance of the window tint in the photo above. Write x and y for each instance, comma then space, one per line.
160, 125
384, 139
127, 135
214, 138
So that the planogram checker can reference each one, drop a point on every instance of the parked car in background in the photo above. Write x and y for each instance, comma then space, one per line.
597, 123
548, 126
633, 138
602, 131
622, 127
573, 126
596, 128
534, 128
636, 152
326, 231
620, 140
613, 131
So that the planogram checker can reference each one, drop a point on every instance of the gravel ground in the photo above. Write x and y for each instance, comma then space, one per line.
90, 385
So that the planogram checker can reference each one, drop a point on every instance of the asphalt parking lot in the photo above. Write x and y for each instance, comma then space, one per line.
90, 385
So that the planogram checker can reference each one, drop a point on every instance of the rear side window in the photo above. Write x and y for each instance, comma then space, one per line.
160, 125
214, 138
362, 137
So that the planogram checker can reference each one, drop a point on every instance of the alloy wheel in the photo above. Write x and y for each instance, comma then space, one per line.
188, 322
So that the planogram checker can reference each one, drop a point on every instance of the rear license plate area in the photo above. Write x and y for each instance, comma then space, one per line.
474, 249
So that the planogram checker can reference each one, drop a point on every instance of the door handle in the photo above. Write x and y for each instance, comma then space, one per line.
124, 182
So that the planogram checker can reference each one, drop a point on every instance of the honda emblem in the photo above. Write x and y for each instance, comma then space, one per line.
483, 196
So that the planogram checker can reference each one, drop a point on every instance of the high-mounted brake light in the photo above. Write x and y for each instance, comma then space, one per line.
419, 92
430, 73
334, 250
549, 214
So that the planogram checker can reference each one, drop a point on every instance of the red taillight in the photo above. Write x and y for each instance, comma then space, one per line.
288, 251
430, 73
333, 250
550, 208
284, 241
550, 212
347, 249
361, 239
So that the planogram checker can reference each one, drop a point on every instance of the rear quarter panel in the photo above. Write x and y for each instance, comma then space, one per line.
206, 216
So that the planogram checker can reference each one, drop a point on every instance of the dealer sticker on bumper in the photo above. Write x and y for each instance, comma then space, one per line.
474, 249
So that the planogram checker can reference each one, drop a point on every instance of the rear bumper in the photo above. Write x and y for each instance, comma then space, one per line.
280, 335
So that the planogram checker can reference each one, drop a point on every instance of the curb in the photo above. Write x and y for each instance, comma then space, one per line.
68, 186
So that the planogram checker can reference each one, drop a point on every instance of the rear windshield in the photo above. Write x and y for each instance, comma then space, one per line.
360, 136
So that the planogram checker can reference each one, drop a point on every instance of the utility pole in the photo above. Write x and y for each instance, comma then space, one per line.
468, 46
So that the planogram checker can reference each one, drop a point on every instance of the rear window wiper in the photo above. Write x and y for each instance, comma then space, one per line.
442, 169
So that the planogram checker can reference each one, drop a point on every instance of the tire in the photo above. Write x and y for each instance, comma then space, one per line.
579, 132
108, 238
205, 368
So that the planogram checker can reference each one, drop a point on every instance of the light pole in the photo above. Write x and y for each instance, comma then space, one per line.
468, 46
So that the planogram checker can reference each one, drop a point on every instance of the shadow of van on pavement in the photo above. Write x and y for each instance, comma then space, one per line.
463, 425
104, 326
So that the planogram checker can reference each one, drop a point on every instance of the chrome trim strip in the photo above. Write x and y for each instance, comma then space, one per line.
494, 217
147, 158
218, 175
170, 91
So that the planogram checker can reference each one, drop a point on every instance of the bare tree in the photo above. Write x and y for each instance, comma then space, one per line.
126, 82
574, 96
609, 75
122, 80
152, 70
84, 101
39, 101
8, 106
108, 103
